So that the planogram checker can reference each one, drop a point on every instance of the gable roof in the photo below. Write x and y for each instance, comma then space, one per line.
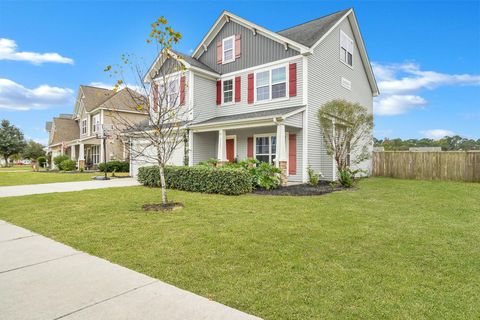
123, 100
310, 32
64, 129
227, 16
48, 126
94, 96
193, 62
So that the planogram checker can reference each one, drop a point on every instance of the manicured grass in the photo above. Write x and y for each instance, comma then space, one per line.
393, 249
17, 168
20, 178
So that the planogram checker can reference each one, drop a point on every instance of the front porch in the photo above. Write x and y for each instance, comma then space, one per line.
277, 140
86, 155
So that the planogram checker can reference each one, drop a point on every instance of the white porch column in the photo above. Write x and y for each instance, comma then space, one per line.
81, 156
190, 148
281, 138
281, 155
72, 152
222, 145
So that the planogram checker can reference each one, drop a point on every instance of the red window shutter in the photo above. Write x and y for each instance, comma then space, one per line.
182, 90
250, 88
238, 46
250, 147
219, 92
219, 52
292, 153
293, 79
155, 97
238, 94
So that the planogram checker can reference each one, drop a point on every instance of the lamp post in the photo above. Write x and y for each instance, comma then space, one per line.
103, 135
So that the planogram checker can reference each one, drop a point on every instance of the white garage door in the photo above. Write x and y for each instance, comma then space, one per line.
138, 161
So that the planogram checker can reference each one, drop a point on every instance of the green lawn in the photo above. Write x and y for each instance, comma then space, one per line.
17, 168
19, 178
393, 249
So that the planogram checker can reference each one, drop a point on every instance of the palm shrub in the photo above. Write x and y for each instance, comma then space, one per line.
266, 176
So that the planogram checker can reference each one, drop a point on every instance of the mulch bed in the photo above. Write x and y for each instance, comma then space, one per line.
301, 190
171, 206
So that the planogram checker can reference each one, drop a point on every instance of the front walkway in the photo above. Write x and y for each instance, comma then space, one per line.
22, 190
44, 279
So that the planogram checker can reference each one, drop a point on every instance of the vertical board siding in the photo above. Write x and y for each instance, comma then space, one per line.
325, 71
450, 165
256, 50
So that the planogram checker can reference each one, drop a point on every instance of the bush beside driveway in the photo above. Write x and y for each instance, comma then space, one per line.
388, 249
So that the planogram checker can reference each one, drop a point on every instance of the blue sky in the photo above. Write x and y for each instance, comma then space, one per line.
425, 54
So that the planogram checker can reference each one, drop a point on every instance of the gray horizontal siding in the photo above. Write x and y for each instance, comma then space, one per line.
295, 120
244, 107
255, 50
204, 98
325, 71
204, 146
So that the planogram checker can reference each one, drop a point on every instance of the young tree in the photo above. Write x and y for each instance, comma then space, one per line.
160, 94
11, 140
33, 150
347, 132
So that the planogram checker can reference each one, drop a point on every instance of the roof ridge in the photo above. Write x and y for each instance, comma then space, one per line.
311, 20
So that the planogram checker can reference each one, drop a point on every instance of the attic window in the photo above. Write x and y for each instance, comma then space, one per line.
346, 49
228, 49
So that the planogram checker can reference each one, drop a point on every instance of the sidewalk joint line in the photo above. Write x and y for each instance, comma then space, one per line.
105, 300
41, 262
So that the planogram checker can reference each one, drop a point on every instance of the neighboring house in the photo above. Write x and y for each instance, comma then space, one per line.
96, 109
255, 93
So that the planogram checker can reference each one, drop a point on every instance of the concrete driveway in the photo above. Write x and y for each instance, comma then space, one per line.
23, 190
44, 279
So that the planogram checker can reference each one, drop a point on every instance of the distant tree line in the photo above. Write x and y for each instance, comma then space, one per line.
13, 145
447, 143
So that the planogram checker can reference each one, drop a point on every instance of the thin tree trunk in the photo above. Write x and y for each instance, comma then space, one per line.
162, 182
6, 160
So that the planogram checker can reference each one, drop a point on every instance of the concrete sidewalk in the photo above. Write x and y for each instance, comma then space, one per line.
23, 190
43, 279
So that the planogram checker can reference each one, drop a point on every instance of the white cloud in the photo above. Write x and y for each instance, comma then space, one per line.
397, 104
8, 51
436, 134
400, 85
14, 96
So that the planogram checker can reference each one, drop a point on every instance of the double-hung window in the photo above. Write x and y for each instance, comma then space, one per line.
228, 52
271, 84
346, 49
227, 91
265, 148
84, 126
96, 123
170, 96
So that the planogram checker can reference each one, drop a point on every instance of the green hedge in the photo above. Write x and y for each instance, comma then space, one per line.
199, 179
67, 165
114, 165
59, 159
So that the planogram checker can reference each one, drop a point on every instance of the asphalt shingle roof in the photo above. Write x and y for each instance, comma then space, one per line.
310, 32
64, 130
251, 115
194, 62
95, 96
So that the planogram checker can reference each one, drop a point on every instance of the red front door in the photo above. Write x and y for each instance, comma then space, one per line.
230, 150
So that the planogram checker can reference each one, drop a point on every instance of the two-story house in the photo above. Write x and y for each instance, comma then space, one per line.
255, 93
96, 109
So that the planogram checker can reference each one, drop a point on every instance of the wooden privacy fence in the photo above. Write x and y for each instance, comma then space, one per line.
449, 165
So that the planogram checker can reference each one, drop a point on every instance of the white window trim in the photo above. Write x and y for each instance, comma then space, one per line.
233, 91
234, 137
287, 135
270, 99
82, 126
340, 49
233, 49
94, 154
94, 124
173, 77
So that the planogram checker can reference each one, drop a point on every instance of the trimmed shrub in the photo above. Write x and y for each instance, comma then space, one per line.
42, 161
114, 166
59, 159
67, 165
199, 179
